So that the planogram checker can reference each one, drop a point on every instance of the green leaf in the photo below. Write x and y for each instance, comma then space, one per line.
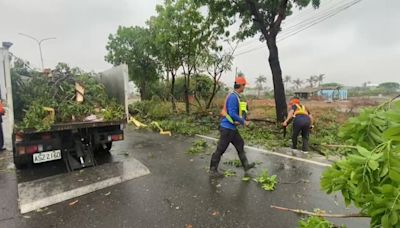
392, 131
394, 175
376, 156
385, 221
246, 179
387, 188
394, 218
384, 171
373, 165
364, 152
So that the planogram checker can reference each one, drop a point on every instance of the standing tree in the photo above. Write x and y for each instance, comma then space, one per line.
260, 80
130, 46
390, 87
194, 36
320, 78
265, 17
311, 81
166, 46
216, 65
297, 82
286, 80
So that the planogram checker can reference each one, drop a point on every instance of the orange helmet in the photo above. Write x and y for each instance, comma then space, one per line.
240, 81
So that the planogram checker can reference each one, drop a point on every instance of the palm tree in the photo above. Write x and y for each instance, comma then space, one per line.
298, 82
311, 80
259, 83
320, 78
286, 80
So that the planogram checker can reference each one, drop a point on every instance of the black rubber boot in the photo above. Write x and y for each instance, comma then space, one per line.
215, 174
248, 166
214, 168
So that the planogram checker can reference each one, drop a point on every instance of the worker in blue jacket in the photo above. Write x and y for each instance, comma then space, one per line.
233, 114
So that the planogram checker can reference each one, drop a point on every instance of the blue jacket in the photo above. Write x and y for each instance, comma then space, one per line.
232, 108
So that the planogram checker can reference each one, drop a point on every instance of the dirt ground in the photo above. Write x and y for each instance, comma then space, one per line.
265, 108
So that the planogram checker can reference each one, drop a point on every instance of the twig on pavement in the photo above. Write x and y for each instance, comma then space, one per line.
299, 211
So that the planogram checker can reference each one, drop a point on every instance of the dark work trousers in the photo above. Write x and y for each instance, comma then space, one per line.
301, 124
228, 136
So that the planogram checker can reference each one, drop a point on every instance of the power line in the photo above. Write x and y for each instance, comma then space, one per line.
304, 27
321, 18
296, 16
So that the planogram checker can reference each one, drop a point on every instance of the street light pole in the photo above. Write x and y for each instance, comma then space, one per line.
39, 42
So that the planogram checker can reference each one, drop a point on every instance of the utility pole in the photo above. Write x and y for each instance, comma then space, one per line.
39, 42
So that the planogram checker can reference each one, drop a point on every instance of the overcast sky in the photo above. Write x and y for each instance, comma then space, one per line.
359, 44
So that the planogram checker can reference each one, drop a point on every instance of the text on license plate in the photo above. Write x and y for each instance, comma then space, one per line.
46, 156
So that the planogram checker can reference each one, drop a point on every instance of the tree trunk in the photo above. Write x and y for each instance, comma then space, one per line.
173, 91
214, 91
187, 104
141, 92
279, 88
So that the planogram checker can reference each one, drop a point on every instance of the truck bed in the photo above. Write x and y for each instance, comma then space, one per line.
77, 125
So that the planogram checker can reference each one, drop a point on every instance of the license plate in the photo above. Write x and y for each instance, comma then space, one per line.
46, 156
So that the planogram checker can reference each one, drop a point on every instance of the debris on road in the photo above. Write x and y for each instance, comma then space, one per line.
229, 173
267, 182
107, 194
234, 162
137, 123
198, 147
162, 132
73, 203
246, 179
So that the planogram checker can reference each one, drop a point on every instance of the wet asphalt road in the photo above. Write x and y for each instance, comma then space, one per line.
178, 192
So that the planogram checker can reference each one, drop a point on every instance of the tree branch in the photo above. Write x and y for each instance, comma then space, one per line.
281, 16
303, 212
254, 10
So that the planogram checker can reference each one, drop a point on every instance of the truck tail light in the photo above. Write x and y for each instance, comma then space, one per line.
117, 137
31, 149
21, 150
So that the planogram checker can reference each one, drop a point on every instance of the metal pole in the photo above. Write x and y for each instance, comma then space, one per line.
39, 42
41, 55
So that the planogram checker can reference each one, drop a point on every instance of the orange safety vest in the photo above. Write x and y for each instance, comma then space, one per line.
242, 108
300, 110
2, 111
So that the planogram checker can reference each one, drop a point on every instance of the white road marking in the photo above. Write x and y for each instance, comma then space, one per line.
45, 192
274, 153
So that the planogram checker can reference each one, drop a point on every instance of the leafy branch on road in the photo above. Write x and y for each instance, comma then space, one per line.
229, 173
267, 182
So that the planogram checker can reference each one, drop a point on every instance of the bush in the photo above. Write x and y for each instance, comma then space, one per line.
151, 109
